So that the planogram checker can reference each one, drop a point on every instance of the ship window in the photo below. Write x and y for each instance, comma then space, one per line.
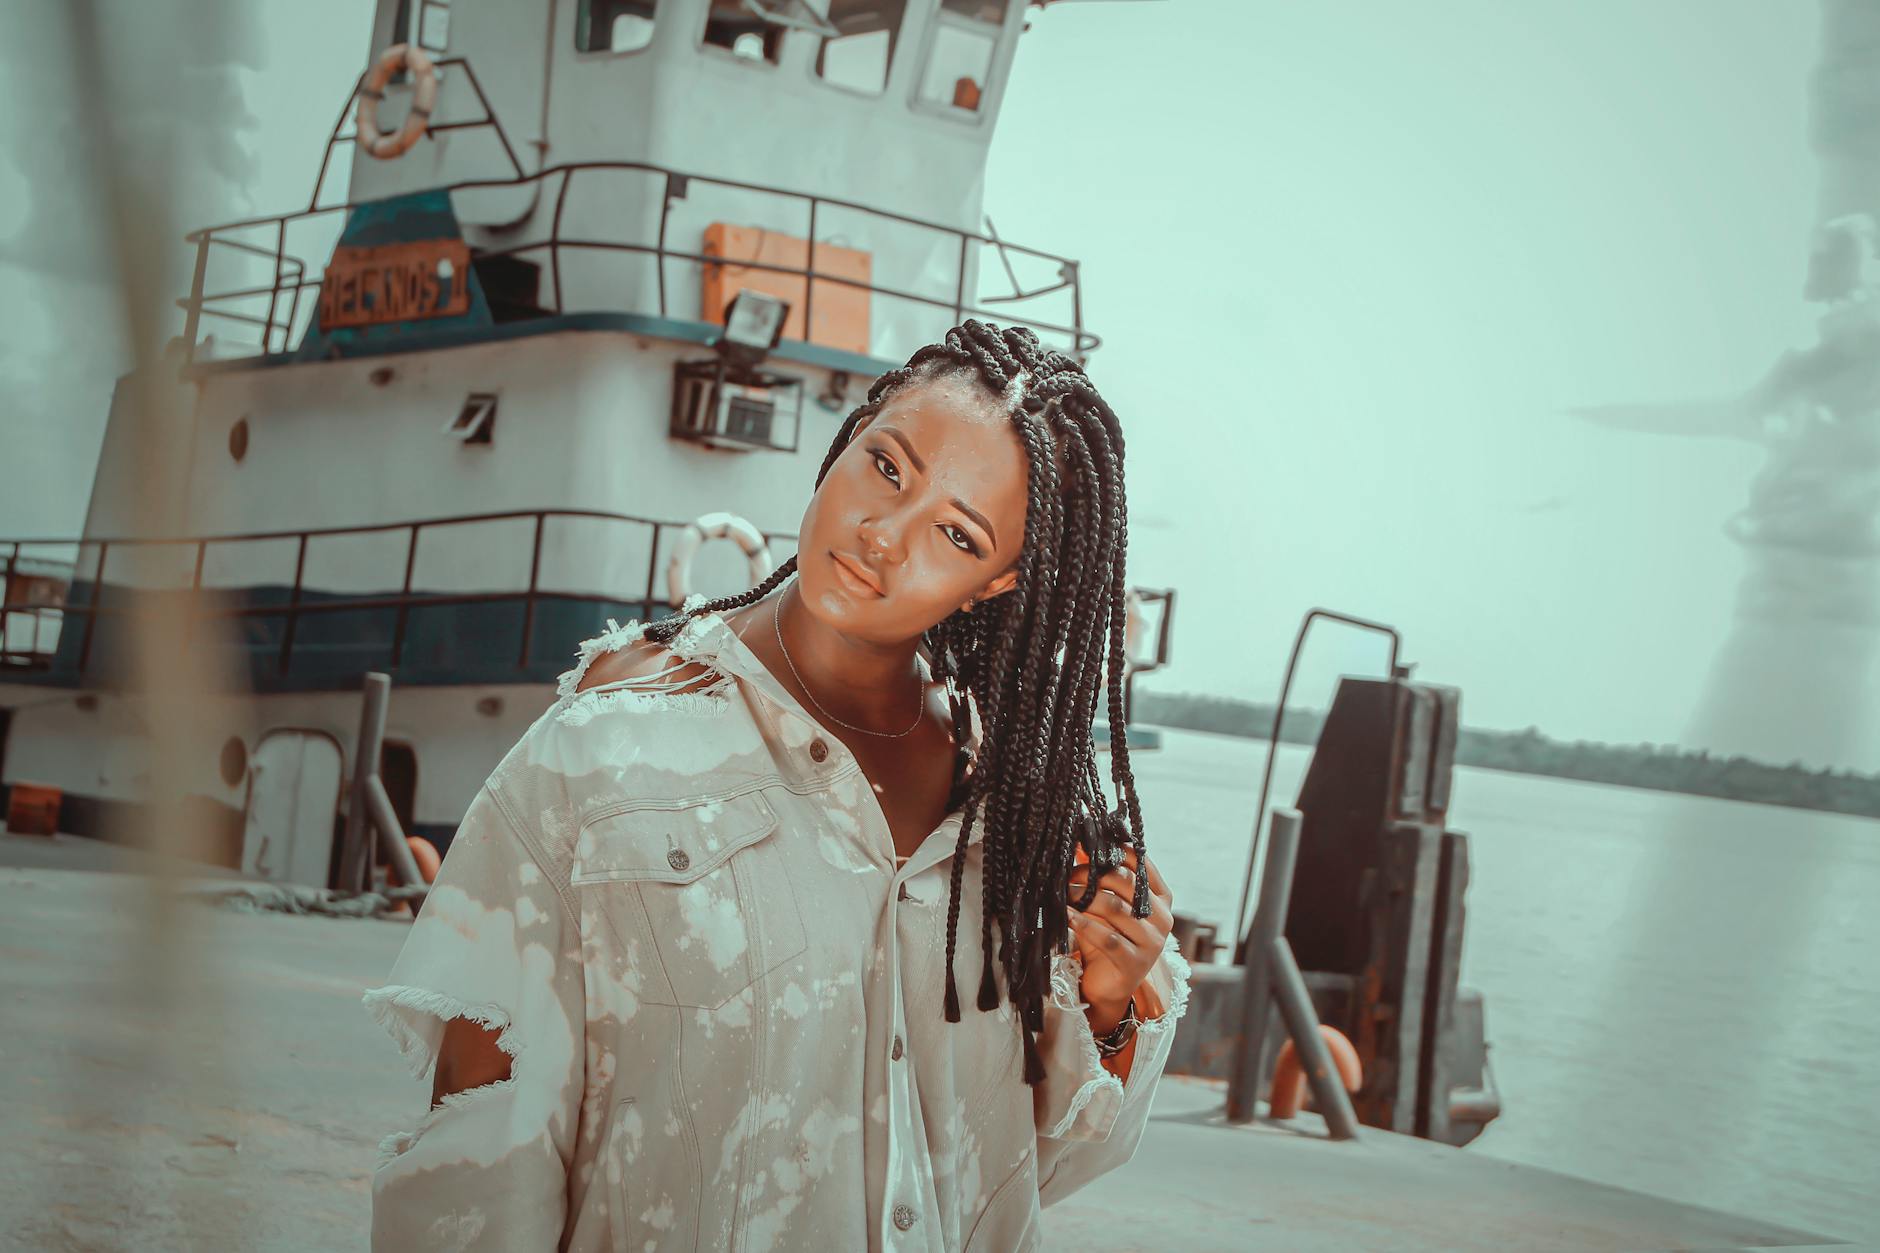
613, 25
959, 60
425, 23
475, 423
858, 58
733, 26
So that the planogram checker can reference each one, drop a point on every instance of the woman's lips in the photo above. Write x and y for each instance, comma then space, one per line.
847, 571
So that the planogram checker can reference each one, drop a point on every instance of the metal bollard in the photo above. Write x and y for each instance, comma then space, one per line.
1272, 973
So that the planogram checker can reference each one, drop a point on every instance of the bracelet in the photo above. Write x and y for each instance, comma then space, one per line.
1119, 1036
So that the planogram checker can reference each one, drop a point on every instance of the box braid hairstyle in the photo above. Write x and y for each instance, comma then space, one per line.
1032, 661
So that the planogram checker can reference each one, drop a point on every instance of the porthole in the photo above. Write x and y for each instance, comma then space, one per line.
234, 760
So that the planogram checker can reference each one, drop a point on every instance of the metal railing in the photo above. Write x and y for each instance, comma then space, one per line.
29, 629
290, 279
88, 613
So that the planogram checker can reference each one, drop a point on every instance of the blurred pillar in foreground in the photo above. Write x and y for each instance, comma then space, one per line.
177, 667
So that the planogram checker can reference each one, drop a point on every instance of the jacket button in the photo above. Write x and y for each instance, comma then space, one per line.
817, 749
895, 1052
678, 859
904, 1216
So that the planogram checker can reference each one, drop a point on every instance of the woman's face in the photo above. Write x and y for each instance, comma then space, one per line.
926, 503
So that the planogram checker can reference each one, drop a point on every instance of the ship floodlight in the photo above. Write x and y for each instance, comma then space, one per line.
753, 326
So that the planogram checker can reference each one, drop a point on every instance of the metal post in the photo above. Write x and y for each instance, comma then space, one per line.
293, 605
404, 598
1269, 920
192, 318
91, 610
809, 279
354, 859
1302, 1021
528, 609
392, 833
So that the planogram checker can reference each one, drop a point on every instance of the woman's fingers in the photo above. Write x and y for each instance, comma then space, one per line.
1157, 885
1120, 881
1116, 894
1123, 883
1093, 931
1117, 909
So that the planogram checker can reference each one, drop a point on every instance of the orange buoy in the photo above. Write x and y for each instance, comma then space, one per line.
425, 854
1289, 1077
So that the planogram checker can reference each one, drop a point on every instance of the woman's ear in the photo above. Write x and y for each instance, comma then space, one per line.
1000, 585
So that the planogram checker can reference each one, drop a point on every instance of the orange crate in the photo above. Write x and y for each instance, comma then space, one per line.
33, 810
841, 312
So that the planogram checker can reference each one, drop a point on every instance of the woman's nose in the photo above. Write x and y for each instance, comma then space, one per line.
881, 540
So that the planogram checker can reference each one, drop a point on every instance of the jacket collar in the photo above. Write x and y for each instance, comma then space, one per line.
709, 638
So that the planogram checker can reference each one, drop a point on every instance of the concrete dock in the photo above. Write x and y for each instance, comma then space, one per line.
251, 1120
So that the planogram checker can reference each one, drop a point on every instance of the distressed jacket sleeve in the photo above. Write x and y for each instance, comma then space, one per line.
495, 943
1089, 1121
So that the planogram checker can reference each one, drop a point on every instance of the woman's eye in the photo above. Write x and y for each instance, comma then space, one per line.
881, 461
968, 546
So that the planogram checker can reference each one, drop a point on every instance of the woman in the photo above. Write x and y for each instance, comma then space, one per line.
687, 974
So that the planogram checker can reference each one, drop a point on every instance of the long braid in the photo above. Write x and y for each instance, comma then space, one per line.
1027, 666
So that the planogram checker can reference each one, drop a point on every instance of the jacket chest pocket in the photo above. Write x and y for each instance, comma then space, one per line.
701, 886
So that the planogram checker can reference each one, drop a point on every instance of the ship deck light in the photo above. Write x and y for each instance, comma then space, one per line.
753, 327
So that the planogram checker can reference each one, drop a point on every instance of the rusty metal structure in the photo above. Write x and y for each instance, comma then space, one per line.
1378, 905
1362, 911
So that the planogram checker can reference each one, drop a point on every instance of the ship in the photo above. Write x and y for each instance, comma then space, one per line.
569, 348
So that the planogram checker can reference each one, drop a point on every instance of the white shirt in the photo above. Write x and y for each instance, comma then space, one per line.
722, 998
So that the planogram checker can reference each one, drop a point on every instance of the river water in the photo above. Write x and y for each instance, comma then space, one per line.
1681, 992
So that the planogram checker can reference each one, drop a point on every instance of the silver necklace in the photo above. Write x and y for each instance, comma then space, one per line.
776, 619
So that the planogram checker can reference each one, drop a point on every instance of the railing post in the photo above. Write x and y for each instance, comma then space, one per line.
528, 607
274, 292
193, 319
6, 597
659, 251
959, 286
91, 613
293, 604
554, 246
809, 280
354, 859
404, 599
652, 574
1077, 307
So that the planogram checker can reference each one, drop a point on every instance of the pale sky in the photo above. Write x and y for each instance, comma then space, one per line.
1350, 261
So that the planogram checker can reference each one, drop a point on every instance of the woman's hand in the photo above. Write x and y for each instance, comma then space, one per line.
1118, 948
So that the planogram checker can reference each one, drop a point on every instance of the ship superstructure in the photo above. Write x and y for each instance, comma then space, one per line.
447, 423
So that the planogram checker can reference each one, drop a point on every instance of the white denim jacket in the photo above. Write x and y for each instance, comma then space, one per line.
722, 1001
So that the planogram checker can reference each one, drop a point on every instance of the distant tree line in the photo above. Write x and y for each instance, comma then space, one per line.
1661, 767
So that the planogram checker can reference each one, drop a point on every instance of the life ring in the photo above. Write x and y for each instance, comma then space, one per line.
1289, 1077
714, 526
423, 100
